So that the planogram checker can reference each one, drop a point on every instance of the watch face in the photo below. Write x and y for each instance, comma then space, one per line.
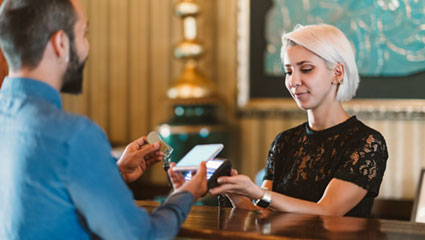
262, 203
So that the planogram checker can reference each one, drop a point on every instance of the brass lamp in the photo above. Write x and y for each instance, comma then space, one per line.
193, 97
191, 86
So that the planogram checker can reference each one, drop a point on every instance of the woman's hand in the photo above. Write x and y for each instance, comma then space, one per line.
237, 186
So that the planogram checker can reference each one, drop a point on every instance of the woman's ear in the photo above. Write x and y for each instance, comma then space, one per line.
338, 74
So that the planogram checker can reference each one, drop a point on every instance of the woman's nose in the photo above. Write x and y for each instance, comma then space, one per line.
294, 80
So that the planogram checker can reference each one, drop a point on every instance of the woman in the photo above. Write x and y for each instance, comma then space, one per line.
331, 165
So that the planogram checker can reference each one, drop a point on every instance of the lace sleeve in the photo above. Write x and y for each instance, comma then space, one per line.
271, 159
364, 164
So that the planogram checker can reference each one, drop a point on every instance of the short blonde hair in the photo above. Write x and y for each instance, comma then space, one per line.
329, 43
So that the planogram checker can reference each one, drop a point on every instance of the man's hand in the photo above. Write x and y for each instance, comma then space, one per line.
177, 179
197, 184
137, 157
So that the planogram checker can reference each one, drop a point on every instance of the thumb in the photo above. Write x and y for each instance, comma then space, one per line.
202, 170
137, 144
170, 169
148, 149
224, 179
140, 142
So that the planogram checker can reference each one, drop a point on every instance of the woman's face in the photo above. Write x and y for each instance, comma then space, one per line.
308, 79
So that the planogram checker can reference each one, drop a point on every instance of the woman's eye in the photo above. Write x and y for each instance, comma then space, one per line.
306, 70
288, 73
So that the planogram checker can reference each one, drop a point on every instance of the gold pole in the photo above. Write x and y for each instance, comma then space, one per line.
191, 85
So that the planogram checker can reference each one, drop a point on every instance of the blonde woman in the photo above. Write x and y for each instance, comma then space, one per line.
332, 164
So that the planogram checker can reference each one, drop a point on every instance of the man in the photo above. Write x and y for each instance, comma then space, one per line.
57, 177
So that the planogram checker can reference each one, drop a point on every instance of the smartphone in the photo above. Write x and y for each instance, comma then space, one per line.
215, 168
196, 155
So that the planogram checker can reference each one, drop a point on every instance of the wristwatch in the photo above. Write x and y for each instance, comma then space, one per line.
265, 201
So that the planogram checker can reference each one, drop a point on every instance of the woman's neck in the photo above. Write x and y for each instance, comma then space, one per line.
326, 117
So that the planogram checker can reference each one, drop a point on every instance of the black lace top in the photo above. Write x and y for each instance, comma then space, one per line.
301, 162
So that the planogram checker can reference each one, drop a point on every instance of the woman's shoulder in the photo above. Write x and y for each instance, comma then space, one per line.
365, 137
292, 132
364, 130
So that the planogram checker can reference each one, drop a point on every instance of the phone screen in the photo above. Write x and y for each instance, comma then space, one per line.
198, 154
212, 165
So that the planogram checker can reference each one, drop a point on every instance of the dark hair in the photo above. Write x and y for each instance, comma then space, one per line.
27, 25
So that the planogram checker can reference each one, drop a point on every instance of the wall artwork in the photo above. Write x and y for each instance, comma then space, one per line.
388, 37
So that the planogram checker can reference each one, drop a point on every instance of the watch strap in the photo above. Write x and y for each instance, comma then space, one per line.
265, 201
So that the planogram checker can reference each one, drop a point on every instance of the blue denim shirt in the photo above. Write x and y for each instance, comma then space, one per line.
58, 179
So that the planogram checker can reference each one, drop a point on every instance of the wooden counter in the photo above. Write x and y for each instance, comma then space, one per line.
227, 223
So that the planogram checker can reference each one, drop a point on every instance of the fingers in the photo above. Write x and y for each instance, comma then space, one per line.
226, 188
138, 143
170, 170
156, 154
233, 172
198, 184
132, 157
225, 179
154, 158
237, 179
233, 184
148, 149
152, 161
176, 178
141, 142
202, 171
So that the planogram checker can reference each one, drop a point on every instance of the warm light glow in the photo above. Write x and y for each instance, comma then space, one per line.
165, 130
190, 28
198, 92
172, 93
185, 91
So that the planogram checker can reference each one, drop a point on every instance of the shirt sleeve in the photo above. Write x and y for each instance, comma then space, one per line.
102, 198
364, 163
271, 159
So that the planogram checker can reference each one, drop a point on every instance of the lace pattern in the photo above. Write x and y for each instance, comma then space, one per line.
302, 162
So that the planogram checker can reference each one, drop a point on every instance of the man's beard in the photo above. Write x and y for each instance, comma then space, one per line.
72, 80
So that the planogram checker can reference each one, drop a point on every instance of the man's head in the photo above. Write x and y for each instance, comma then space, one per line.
28, 28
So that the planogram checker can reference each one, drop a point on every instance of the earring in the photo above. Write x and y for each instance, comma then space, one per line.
338, 80
67, 59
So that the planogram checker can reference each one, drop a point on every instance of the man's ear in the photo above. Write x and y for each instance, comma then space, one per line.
338, 74
60, 44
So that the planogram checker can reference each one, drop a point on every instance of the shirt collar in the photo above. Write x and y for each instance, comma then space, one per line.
32, 87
